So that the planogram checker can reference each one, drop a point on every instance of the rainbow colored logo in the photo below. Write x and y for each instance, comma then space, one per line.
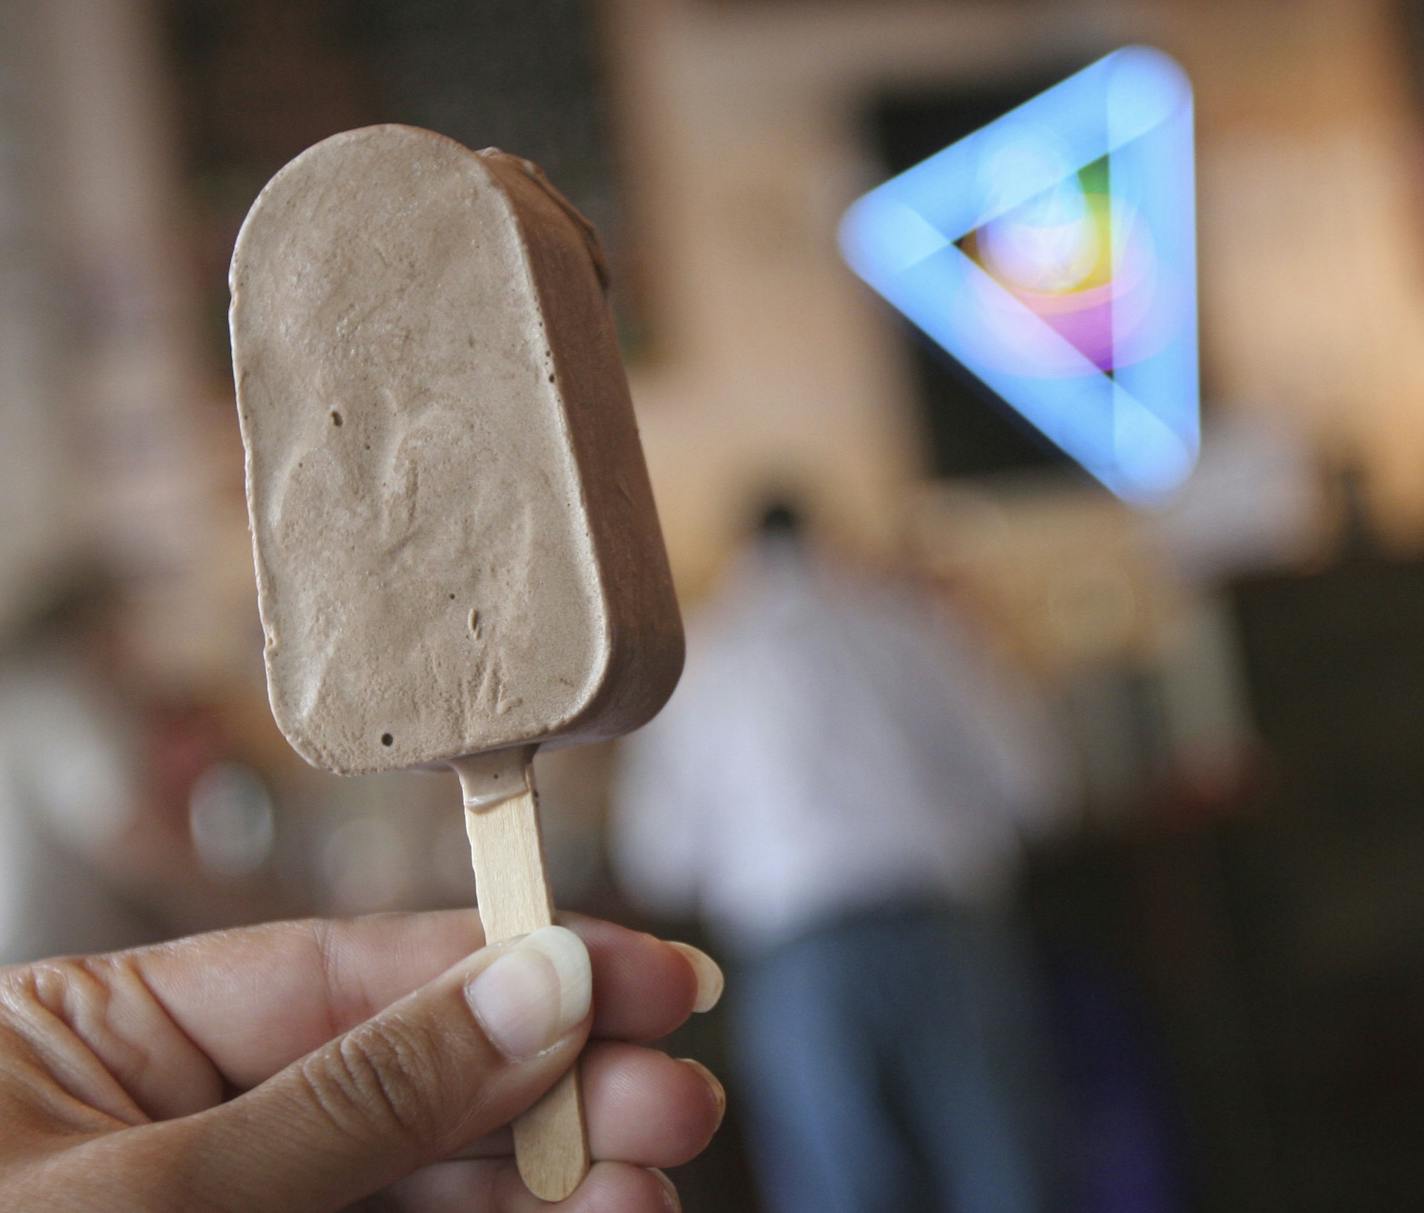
1053, 253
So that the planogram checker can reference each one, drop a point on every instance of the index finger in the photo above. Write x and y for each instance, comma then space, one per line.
257, 998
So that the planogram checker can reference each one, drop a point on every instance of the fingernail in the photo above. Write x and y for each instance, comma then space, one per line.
709, 976
672, 1202
719, 1092
534, 994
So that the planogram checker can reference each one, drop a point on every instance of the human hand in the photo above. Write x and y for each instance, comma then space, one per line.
309, 1066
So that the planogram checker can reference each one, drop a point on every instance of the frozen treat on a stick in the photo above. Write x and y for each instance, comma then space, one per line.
458, 558
456, 544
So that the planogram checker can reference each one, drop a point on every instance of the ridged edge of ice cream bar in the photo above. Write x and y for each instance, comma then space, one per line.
453, 529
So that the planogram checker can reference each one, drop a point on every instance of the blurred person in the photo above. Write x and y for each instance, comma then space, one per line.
838, 788
304, 1067
111, 833
70, 763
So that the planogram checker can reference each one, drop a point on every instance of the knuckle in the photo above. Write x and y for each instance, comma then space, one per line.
78, 1015
381, 1080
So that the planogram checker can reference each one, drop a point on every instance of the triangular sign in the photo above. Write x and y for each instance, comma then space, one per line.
1053, 253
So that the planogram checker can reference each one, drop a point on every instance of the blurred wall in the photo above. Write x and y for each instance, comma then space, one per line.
740, 125
41, 534
106, 318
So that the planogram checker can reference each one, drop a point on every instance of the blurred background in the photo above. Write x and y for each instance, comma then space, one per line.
1227, 917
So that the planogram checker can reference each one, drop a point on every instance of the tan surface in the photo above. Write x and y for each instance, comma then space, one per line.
455, 540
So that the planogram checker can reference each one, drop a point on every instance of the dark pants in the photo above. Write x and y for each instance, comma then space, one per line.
891, 1061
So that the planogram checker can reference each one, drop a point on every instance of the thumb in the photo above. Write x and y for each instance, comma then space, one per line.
457, 1059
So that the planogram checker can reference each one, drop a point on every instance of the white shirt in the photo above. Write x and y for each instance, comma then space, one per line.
831, 744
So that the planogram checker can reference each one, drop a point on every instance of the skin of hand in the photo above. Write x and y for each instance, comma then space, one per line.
371, 1064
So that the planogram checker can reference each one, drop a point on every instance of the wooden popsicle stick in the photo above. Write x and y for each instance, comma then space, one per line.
502, 820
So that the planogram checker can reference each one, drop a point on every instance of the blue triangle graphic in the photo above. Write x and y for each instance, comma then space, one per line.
1053, 253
